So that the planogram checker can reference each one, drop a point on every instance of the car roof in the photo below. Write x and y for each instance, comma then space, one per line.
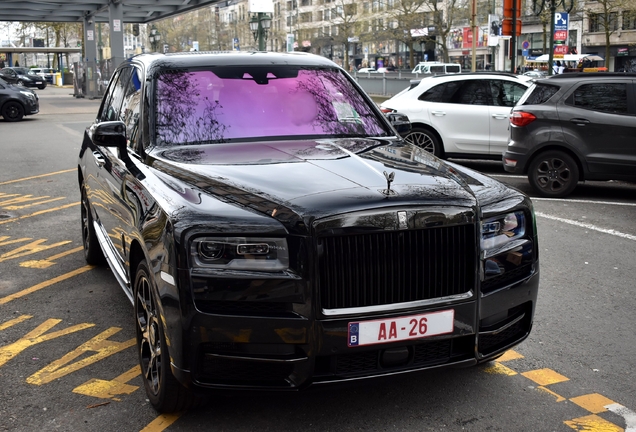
578, 76
231, 58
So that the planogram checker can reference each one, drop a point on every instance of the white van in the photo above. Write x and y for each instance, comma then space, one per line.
437, 68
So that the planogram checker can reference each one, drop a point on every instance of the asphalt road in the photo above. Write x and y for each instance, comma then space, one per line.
67, 360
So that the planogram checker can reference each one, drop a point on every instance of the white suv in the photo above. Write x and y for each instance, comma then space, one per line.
460, 115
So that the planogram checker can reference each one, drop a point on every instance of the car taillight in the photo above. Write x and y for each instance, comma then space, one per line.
386, 110
521, 118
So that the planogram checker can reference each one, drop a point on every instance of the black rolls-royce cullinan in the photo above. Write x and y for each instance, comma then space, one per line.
273, 231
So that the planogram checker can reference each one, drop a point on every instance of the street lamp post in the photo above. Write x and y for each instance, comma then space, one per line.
259, 25
155, 38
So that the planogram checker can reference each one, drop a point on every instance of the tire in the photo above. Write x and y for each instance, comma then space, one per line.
553, 174
426, 140
42, 87
13, 111
165, 393
92, 252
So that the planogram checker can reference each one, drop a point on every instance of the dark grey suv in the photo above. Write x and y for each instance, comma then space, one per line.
574, 127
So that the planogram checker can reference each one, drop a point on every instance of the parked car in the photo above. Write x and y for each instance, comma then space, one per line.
265, 218
460, 115
574, 127
536, 74
16, 102
367, 70
47, 73
437, 68
21, 77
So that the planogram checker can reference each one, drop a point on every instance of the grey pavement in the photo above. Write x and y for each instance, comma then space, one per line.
60, 100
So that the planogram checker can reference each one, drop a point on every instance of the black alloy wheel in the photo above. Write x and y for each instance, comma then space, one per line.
92, 252
165, 393
424, 139
553, 174
13, 111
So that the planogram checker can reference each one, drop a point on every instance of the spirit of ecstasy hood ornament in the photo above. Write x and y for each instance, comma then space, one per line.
389, 180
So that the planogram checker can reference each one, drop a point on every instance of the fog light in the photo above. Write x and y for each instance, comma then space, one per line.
510, 162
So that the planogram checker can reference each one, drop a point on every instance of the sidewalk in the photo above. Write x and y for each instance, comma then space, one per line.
60, 100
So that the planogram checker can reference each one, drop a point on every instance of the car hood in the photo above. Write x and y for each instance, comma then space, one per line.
311, 179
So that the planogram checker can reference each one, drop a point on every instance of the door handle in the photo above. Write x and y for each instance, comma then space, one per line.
438, 113
99, 159
580, 121
500, 116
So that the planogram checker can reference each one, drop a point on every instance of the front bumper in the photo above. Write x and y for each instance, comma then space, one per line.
291, 352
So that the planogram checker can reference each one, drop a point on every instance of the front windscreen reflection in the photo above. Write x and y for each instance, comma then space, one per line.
228, 103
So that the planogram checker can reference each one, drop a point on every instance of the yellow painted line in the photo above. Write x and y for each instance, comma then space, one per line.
545, 377
48, 262
19, 207
594, 403
100, 345
161, 423
31, 248
558, 397
500, 369
44, 284
36, 336
510, 355
39, 213
18, 320
110, 389
37, 176
593, 423
4, 242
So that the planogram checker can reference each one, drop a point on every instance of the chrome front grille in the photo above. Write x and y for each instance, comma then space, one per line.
380, 268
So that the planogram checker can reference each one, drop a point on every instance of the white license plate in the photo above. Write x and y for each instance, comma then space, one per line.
400, 328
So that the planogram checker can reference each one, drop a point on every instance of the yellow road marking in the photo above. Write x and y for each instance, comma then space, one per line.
18, 320
161, 423
109, 389
37, 176
592, 423
38, 213
498, 368
545, 377
558, 397
44, 284
18, 207
594, 403
509, 355
99, 344
31, 248
48, 262
37, 336
3, 241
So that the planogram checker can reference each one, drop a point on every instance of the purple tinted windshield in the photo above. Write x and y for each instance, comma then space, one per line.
228, 103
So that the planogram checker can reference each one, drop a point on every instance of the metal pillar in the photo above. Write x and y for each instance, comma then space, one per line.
116, 15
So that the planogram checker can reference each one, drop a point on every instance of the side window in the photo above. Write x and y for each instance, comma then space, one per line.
130, 107
434, 94
453, 69
506, 93
113, 112
437, 69
471, 92
108, 97
604, 97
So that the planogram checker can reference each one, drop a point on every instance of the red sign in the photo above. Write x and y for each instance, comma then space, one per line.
560, 35
560, 51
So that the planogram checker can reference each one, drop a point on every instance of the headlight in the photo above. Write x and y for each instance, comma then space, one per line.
28, 94
240, 253
499, 230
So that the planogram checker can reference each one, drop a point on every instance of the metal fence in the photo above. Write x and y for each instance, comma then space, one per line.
385, 84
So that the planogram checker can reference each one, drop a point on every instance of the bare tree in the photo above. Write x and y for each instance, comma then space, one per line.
603, 17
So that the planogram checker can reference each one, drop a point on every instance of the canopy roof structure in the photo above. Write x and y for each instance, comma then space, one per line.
569, 57
133, 11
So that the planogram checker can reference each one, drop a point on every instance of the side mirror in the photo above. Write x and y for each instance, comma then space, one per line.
400, 122
109, 134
